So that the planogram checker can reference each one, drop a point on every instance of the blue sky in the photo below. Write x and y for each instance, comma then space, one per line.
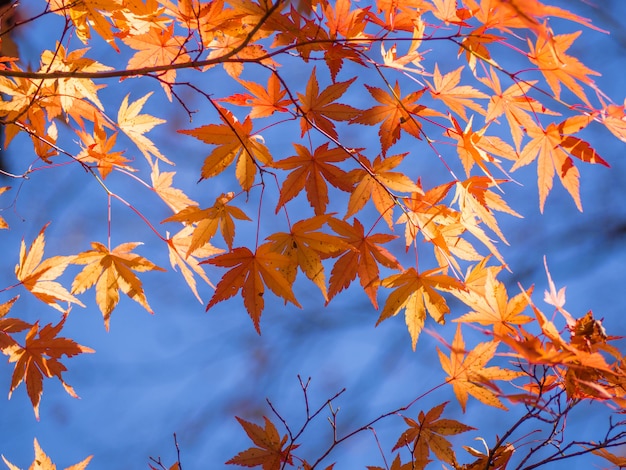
187, 371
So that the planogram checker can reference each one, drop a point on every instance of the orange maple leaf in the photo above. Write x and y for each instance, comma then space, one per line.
376, 183
98, 148
158, 46
424, 214
552, 148
469, 376
427, 434
478, 204
529, 14
111, 271
491, 305
320, 109
251, 272
396, 114
39, 358
310, 171
517, 106
475, 148
263, 100
306, 246
233, 140
613, 117
559, 68
88, 15
10, 325
446, 88
43, 462
72, 92
416, 293
38, 276
270, 453
208, 220
362, 259
343, 22
447, 11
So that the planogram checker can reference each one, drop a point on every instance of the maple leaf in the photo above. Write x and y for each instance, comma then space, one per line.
98, 148
38, 276
469, 376
220, 215
43, 462
251, 272
89, 15
424, 214
305, 246
552, 148
39, 358
320, 109
559, 68
270, 453
158, 46
516, 105
310, 172
456, 98
529, 14
264, 100
139, 18
416, 294
70, 91
135, 125
375, 185
474, 44
427, 434
362, 259
556, 299
179, 253
10, 325
396, 114
343, 22
176, 199
111, 271
475, 200
233, 140
614, 118
412, 56
492, 306
447, 11
474, 147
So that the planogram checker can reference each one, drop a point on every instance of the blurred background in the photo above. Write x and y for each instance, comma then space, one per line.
188, 372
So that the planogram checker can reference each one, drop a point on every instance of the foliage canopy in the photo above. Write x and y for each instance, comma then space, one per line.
363, 95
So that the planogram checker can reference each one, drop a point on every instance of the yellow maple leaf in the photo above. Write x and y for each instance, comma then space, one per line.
175, 198
38, 276
69, 89
43, 462
469, 376
111, 271
179, 247
135, 125
415, 292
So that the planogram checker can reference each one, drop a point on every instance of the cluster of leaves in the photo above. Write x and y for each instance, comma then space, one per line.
479, 120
